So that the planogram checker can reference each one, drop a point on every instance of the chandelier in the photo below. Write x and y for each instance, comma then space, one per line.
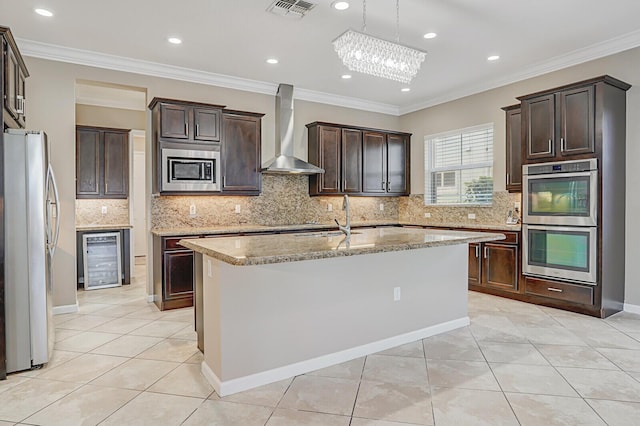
364, 53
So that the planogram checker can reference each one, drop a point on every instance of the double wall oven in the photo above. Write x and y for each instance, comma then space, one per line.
560, 220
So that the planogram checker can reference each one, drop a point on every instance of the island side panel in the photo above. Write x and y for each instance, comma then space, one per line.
276, 315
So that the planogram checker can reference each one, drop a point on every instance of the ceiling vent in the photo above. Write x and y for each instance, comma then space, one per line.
291, 8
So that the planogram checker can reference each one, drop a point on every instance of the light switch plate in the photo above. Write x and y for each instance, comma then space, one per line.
381, 207
329, 207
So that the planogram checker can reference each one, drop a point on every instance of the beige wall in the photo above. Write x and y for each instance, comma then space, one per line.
90, 115
51, 89
485, 107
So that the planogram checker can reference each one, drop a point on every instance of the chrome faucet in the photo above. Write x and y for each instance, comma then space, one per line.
346, 229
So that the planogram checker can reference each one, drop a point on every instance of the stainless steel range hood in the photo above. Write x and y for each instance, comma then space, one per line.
284, 161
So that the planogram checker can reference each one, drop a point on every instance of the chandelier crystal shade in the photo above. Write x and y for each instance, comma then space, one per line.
371, 55
375, 56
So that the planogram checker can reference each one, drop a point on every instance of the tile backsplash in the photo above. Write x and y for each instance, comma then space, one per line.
89, 212
284, 200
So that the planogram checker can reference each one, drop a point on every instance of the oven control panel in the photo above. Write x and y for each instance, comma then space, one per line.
561, 167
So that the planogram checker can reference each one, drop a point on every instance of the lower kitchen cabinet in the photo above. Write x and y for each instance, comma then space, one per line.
495, 264
173, 273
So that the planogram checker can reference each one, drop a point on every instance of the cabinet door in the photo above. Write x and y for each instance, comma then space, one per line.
329, 159
540, 128
87, 163
207, 124
241, 153
474, 264
374, 162
577, 121
351, 160
116, 164
10, 83
178, 275
397, 164
500, 266
514, 150
174, 121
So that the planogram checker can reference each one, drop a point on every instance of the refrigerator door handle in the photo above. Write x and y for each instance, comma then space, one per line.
53, 241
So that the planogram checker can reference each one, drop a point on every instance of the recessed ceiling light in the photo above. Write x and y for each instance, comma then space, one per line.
405, 89
340, 5
44, 12
272, 61
430, 35
174, 40
493, 58
346, 76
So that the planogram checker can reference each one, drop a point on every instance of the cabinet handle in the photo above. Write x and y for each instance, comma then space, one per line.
508, 181
557, 290
550, 142
20, 106
223, 179
186, 128
388, 186
383, 185
344, 185
485, 252
562, 145
477, 251
197, 130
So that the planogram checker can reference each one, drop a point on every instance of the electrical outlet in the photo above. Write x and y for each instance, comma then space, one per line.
237, 208
329, 207
192, 210
471, 216
427, 215
104, 210
396, 294
381, 207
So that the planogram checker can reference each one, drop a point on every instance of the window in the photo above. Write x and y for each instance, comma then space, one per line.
459, 166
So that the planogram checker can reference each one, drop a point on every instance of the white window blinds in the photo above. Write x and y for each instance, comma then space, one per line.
459, 166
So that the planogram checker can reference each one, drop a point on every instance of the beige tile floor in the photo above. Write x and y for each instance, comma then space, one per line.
119, 361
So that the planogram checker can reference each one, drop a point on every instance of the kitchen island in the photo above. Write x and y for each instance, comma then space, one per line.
269, 307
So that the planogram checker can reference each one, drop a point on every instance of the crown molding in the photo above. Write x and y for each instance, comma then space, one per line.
576, 57
53, 52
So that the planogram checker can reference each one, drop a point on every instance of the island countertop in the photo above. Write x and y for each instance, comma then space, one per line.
280, 248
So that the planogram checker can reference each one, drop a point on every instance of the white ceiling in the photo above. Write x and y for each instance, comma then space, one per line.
234, 38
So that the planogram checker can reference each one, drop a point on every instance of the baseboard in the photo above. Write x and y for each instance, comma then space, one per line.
251, 381
65, 309
634, 309
151, 298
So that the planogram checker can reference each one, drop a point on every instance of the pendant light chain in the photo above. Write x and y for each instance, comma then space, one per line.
364, 16
397, 20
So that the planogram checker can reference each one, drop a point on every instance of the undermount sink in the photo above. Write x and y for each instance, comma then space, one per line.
324, 234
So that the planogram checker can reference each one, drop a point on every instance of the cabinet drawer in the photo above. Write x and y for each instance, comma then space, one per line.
172, 242
561, 291
510, 237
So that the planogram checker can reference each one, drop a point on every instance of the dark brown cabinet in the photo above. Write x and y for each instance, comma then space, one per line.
339, 152
173, 273
495, 264
560, 124
240, 152
14, 74
186, 122
358, 161
102, 162
514, 148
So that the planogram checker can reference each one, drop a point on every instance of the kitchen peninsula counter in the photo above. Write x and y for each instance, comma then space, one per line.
269, 307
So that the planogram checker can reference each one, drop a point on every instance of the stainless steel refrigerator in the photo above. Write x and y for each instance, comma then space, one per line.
31, 234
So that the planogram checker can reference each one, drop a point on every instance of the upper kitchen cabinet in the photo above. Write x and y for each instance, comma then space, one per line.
514, 148
14, 74
241, 152
385, 163
186, 122
560, 124
358, 160
102, 162
339, 152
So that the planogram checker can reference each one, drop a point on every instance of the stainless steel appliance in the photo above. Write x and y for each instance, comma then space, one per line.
561, 193
102, 262
562, 252
190, 170
560, 218
31, 234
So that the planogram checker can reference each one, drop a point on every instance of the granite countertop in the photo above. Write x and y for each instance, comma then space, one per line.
281, 248
235, 229
101, 227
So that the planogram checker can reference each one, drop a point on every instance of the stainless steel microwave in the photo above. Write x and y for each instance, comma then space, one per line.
190, 170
